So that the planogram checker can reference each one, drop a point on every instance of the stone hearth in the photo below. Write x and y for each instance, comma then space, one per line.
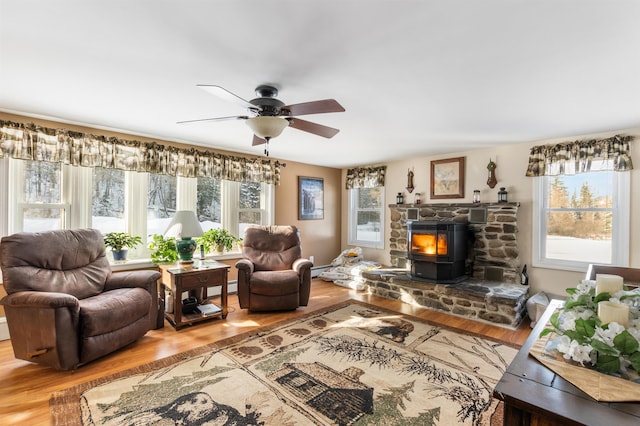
498, 303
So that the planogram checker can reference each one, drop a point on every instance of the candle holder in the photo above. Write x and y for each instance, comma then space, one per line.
502, 195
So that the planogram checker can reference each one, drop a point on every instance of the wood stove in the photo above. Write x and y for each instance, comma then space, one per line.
437, 250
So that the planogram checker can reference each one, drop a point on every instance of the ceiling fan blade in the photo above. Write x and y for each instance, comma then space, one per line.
235, 117
257, 140
315, 128
223, 93
313, 107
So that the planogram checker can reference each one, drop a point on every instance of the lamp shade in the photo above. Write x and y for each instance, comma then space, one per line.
266, 126
184, 225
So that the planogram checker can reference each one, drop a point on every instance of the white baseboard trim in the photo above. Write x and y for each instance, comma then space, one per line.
4, 329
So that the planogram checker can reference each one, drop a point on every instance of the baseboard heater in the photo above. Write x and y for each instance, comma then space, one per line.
317, 270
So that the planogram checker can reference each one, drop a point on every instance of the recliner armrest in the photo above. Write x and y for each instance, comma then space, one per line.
146, 279
245, 265
39, 299
301, 264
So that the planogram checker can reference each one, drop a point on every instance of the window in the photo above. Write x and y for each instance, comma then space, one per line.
108, 200
366, 217
251, 205
161, 202
209, 208
581, 219
39, 193
44, 196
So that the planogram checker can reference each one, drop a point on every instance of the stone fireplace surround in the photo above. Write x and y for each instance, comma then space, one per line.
495, 250
492, 293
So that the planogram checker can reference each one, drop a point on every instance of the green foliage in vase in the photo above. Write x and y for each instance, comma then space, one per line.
217, 239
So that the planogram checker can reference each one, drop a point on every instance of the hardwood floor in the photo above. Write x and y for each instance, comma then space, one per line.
27, 387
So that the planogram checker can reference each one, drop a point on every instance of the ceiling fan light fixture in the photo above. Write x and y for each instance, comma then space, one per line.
266, 126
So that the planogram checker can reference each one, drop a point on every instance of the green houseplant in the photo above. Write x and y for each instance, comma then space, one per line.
218, 239
118, 241
163, 250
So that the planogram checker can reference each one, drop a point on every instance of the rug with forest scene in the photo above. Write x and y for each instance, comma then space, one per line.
351, 364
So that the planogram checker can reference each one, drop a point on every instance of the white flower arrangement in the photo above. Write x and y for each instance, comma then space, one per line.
583, 337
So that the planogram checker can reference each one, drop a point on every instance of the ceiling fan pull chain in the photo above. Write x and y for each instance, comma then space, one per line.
266, 147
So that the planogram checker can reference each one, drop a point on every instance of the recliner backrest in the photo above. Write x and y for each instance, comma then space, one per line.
272, 248
71, 261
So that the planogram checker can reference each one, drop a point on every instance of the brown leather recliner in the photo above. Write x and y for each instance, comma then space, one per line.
64, 306
273, 275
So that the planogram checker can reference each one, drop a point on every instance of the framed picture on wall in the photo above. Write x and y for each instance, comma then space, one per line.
447, 178
310, 198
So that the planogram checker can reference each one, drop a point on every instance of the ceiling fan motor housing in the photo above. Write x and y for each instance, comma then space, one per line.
266, 100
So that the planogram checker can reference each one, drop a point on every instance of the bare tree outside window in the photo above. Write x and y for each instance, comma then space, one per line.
42, 182
107, 212
209, 205
42, 185
161, 202
249, 206
368, 214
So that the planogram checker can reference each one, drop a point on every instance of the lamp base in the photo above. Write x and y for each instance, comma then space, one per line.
186, 247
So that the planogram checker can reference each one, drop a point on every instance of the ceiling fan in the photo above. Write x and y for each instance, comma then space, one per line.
268, 116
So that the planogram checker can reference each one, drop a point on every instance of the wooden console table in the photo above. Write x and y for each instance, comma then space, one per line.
535, 395
195, 279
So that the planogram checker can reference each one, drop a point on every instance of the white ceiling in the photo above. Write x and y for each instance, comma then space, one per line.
416, 78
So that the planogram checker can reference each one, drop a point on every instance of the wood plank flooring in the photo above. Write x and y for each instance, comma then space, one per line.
27, 387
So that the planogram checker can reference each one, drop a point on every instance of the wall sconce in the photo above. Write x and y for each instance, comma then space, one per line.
410, 181
492, 181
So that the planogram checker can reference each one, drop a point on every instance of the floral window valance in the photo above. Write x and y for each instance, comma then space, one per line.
570, 158
32, 142
366, 177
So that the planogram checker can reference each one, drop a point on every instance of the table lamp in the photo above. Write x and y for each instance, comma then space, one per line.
184, 226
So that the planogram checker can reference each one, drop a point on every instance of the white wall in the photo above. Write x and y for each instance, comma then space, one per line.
511, 161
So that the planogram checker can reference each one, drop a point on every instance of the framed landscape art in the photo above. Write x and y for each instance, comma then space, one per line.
310, 198
447, 178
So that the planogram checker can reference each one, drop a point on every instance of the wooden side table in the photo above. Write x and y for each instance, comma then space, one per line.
196, 279
535, 395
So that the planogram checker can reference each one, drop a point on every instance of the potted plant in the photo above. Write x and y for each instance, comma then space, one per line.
218, 239
163, 250
118, 241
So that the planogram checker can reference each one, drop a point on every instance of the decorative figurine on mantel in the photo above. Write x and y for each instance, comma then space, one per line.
410, 181
492, 181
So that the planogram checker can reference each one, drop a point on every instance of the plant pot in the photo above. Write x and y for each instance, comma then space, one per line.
119, 254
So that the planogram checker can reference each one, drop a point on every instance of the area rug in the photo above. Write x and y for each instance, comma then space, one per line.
351, 364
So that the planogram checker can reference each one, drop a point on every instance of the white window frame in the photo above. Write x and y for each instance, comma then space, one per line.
353, 221
621, 200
